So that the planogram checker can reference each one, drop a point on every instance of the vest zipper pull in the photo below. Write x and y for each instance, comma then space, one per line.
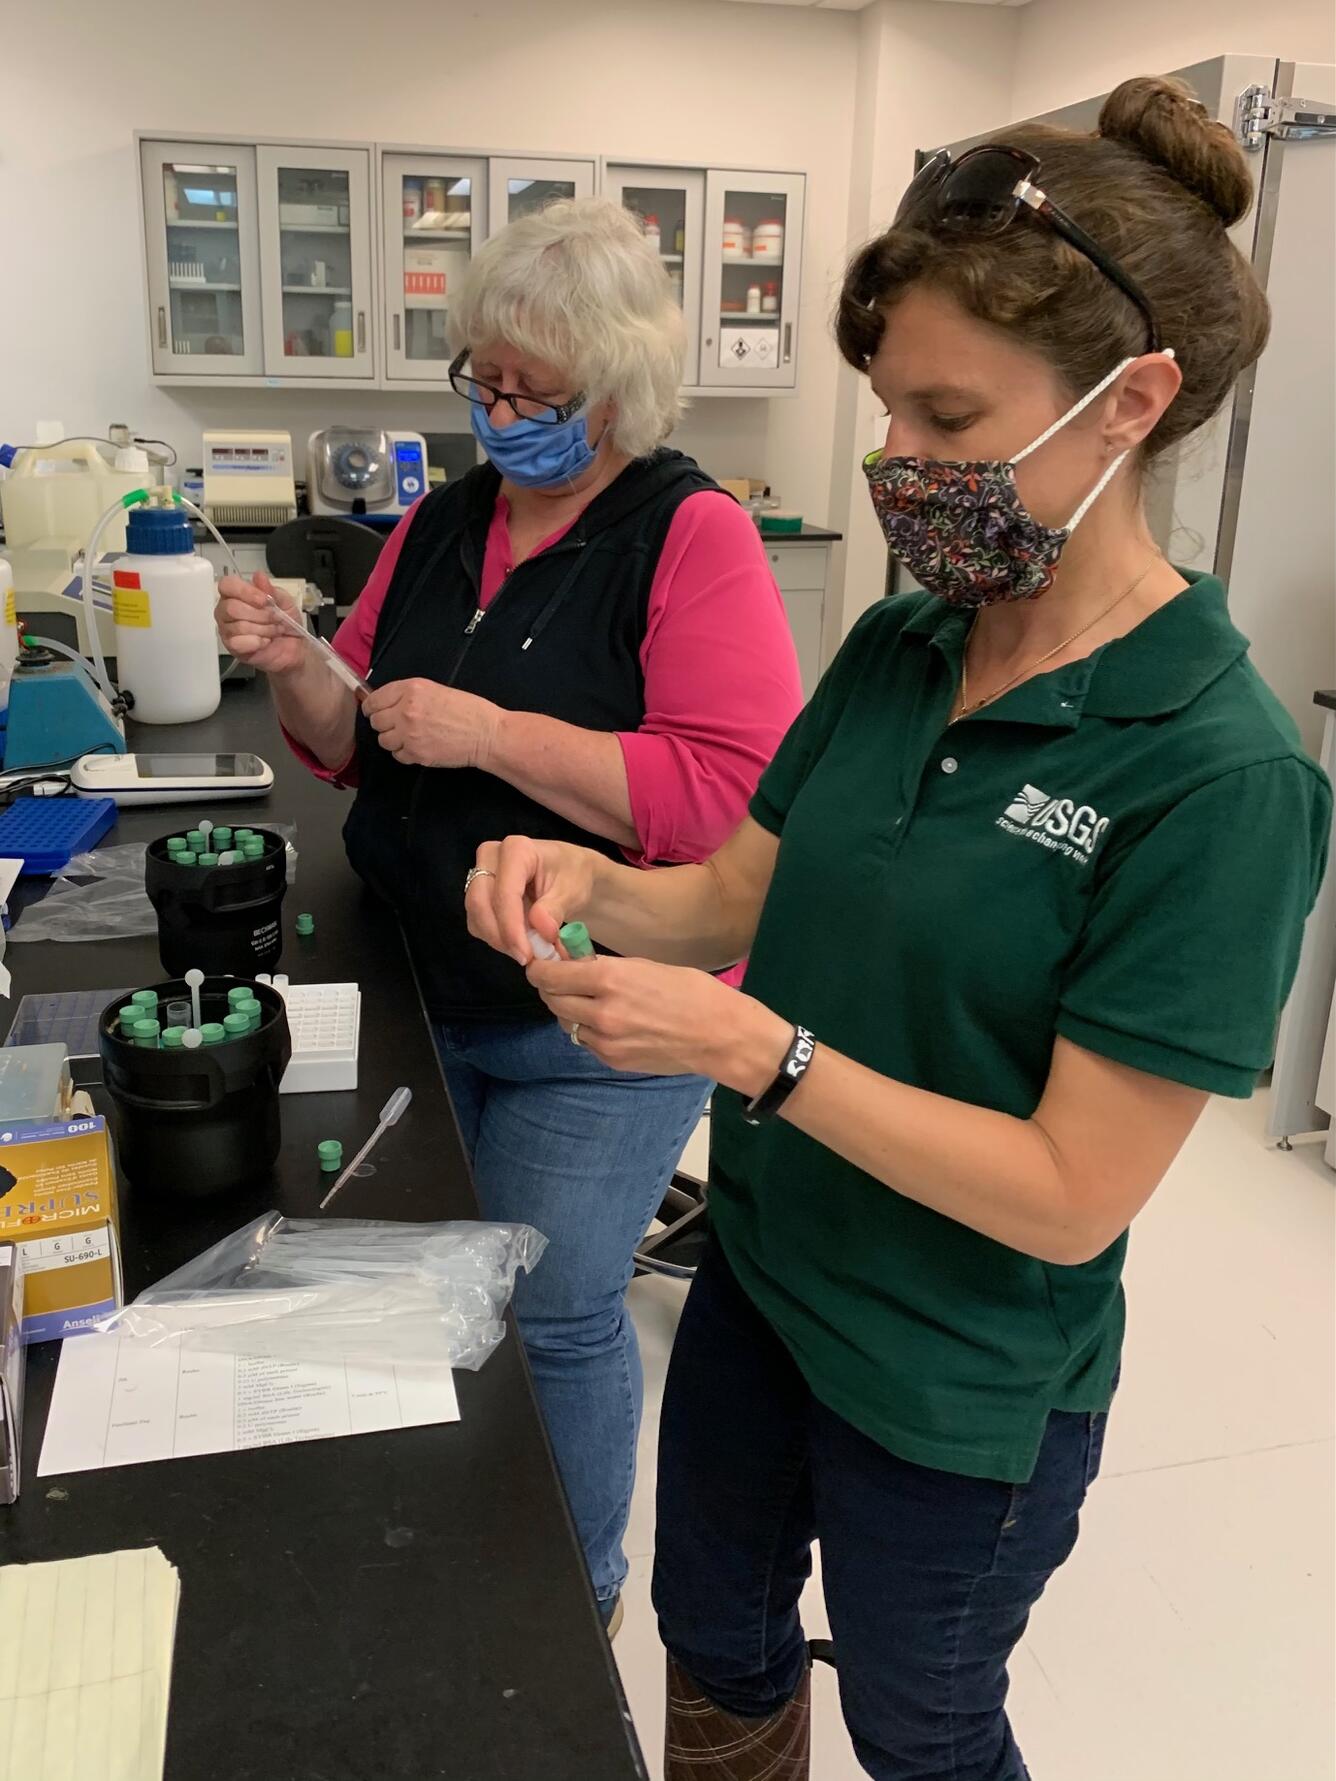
475, 621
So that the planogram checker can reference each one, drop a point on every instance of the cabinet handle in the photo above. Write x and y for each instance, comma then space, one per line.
788, 342
361, 330
396, 330
162, 326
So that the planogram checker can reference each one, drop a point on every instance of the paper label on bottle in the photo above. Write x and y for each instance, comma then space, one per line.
131, 607
11, 610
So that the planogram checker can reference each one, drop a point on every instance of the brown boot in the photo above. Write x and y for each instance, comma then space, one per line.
704, 1743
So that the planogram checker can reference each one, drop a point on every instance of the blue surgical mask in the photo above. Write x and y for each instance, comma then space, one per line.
534, 454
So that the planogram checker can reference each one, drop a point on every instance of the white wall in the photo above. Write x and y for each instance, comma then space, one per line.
696, 81
1069, 49
927, 74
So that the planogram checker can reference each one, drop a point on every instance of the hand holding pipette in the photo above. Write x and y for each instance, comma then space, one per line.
257, 623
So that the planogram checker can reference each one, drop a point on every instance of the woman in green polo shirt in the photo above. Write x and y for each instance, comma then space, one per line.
1024, 885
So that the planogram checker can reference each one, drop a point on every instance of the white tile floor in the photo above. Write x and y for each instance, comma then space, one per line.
1190, 1638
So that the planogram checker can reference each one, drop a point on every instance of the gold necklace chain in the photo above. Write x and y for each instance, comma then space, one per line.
967, 710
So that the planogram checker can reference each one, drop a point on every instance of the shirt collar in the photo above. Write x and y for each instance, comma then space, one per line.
1159, 667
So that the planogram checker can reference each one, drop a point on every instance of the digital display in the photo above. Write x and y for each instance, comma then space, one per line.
197, 766
407, 453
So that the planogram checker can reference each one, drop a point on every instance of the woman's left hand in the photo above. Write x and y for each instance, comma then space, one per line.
664, 1020
425, 724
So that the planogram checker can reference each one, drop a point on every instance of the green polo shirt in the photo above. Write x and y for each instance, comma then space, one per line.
1121, 851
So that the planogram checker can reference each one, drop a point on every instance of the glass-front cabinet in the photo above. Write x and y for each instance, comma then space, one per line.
434, 213
669, 204
201, 241
316, 261
752, 280
519, 186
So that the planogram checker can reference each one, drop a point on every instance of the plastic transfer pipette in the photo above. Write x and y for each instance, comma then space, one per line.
331, 658
389, 1113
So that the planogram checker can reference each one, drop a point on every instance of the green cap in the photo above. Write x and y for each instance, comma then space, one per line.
575, 938
146, 1034
186, 858
235, 1024
251, 845
244, 835
207, 859
130, 1013
195, 839
330, 1152
253, 1011
176, 844
212, 1033
221, 837
145, 998
241, 993
306, 924
172, 1037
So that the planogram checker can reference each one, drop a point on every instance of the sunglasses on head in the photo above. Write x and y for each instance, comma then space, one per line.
983, 193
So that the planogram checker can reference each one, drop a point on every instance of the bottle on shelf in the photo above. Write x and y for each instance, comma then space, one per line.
737, 239
680, 239
652, 233
768, 240
770, 299
412, 200
753, 299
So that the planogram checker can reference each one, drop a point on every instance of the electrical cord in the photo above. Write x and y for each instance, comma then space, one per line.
103, 439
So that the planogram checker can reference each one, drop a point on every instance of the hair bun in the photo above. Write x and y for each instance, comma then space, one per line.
1161, 119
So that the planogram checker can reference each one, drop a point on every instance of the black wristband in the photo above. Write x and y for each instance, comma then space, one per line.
791, 1072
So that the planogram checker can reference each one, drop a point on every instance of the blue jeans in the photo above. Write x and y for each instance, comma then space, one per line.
929, 1576
583, 1153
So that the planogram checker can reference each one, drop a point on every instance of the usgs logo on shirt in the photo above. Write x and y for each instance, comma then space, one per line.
1059, 824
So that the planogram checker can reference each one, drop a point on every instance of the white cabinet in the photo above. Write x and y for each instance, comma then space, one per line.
520, 185
752, 280
670, 202
202, 250
433, 220
732, 246
801, 571
316, 262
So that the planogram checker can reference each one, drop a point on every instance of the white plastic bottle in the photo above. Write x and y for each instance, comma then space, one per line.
163, 600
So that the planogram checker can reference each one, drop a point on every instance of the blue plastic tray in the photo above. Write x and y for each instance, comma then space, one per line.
46, 833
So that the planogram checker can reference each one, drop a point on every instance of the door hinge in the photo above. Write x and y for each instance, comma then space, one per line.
1259, 114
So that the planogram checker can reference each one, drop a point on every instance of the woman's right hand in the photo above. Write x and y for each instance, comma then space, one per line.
523, 884
251, 631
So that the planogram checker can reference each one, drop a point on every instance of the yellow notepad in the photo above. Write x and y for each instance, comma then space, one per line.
85, 1667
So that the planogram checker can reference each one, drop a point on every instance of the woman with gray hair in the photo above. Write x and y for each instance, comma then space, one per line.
578, 640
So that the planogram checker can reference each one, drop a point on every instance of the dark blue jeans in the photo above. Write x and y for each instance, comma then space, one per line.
929, 1577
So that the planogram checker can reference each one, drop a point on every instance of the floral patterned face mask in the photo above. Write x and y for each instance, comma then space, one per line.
962, 530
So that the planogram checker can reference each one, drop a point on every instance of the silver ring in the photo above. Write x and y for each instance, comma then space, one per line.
575, 1034
476, 872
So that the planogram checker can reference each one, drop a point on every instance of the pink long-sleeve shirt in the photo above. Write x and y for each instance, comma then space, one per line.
721, 673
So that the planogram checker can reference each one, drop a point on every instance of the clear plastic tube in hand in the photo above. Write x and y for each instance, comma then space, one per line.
332, 659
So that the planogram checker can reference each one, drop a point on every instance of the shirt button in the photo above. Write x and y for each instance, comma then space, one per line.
950, 764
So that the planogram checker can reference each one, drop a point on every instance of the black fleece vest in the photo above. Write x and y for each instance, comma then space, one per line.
561, 638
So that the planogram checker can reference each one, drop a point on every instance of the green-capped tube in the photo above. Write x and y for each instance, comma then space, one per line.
128, 1016
195, 840
145, 998
240, 992
222, 838
575, 938
207, 859
253, 1011
146, 1034
172, 1037
176, 844
188, 858
212, 1033
235, 1024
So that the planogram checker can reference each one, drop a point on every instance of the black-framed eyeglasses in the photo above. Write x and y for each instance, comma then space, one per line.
983, 192
529, 408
